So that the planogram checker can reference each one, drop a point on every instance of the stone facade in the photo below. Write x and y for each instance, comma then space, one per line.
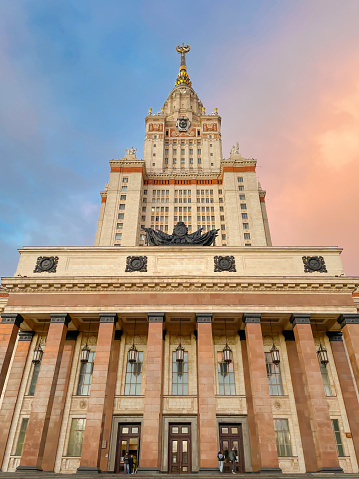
69, 416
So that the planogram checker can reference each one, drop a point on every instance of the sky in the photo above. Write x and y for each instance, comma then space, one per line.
78, 76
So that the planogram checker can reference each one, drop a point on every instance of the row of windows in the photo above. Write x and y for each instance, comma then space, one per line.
182, 142
281, 426
184, 208
183, 161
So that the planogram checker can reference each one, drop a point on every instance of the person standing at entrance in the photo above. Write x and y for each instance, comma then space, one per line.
130, 463
232, 458
126, 463
220, 456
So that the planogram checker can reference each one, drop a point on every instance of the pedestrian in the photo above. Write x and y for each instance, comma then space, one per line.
126, 463
232, 458
130, 463
220, 457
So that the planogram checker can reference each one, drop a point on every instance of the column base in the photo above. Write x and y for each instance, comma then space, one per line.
88, 470
148, 470
28, 469
330, 469
208, 470
269, 470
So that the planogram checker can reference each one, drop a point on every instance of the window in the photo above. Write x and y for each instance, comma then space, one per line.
199, 161
85, 378
124, 188
219, 192
122, 197
134, 376
182, 161
180, 375
144, 200
174, 161
244, 216
182, 151
125, 180
154, 145
240, 188
21, 438
223, 227
223, 237
243, 206
274, 377
174, 151
240, 179
282, 437
222, 217
121, 215
242, 197
35, 375
247, 236
198, 151
122, 206
221, 208
338, 438
166, 161
76, 438
118, 236
142, 237
246, 226
119, 226
225, 377
248, 244
183, 142
145, 192
325, 378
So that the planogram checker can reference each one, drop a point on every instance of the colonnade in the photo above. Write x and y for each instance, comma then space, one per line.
43, 430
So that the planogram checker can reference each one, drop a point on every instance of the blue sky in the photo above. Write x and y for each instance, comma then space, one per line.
77, 78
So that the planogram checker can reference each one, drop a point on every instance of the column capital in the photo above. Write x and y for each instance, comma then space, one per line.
345, 319
156, 317
335, 335
26, 335
108, 318
299, 318
60, 318
12, 318
204, 317
251, 318
288, 335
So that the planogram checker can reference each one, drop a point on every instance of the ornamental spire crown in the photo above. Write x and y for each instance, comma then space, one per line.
183, 78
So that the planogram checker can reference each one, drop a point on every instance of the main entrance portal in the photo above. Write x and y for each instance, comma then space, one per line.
179, 453
128, 440
230, 435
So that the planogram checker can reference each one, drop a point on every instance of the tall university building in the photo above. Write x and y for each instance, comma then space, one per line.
173, 343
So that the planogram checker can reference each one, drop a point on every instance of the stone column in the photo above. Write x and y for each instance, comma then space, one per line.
264, 440
110, 400
38, 426
100, 386
52, 439
350, 327
152, 404
310, 457
9, 327
12, 390
317, 404
207, 433
346, 385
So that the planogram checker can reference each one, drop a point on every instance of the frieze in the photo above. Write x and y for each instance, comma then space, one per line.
155, 127
136, 339
46, 264
224, 263
185, 340
314, 264
209, 126
90, 340
136, 264
222, 340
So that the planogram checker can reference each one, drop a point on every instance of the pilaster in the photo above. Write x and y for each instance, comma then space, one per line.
9, 327
350, 327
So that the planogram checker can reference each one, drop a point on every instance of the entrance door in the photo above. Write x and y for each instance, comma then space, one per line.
179, 454
128, 439
230, 435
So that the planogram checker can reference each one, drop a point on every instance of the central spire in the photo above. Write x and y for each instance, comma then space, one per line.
183, 78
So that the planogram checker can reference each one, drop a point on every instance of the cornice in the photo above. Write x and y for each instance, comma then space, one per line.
174, 284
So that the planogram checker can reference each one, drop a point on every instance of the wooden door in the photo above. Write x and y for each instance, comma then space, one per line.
128, 439
179, 449
230, 435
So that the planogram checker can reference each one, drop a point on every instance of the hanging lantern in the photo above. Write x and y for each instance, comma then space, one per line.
38, 352
85, 353
180, 353
323, 355
275, 355
132, 354
227, 355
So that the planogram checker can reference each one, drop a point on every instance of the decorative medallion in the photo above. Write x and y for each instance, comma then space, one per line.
46, 264
136, 263
224, 263
183, 123
314, 264
180, 236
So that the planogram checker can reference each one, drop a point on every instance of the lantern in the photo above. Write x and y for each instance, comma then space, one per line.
85, 353
275, 355
323, 355
38, 352
132, 354
227, 355
180, 353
